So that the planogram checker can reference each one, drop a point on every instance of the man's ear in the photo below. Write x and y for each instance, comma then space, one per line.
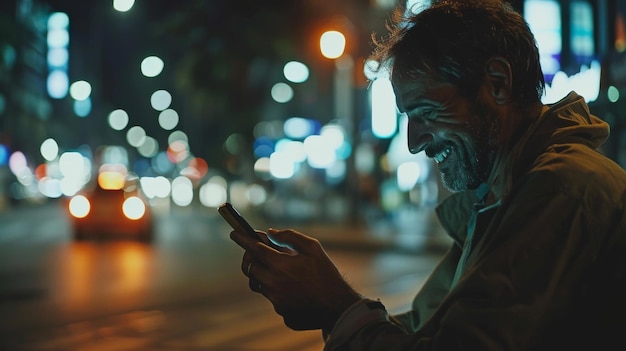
498, 78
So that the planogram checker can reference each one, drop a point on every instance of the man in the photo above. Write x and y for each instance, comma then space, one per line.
537, 214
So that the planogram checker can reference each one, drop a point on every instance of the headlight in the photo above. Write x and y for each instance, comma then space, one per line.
133, 208
79, 206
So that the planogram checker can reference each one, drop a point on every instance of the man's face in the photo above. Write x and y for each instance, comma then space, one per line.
458, 133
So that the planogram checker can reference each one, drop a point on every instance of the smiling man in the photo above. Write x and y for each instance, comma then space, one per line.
460, 134
537, 212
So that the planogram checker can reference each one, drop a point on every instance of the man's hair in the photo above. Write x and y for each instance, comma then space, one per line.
454, 39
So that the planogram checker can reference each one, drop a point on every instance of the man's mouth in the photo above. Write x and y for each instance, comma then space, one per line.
441, 156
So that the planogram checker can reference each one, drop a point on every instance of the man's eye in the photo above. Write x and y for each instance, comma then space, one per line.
423, 114
427, 114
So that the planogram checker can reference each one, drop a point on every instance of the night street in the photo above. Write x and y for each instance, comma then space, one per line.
184, 291
348, 121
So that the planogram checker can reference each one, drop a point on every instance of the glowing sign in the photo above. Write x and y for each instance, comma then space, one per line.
586, 83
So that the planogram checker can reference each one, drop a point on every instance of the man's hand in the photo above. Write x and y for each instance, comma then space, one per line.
301, 281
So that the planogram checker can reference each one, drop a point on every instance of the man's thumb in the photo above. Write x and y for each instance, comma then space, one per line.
290, 238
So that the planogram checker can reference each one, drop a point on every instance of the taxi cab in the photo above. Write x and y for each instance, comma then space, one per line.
113, 208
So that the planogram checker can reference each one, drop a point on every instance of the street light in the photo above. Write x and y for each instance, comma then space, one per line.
123, 5
332, 44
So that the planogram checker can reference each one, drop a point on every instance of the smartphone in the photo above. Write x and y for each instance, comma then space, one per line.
236, 220
232, 216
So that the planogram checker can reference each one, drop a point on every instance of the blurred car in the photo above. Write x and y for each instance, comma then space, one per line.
113, 208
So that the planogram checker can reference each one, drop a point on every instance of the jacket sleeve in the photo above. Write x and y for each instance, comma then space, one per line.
352, 327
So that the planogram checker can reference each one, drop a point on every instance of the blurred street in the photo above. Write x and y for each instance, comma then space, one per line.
184, 291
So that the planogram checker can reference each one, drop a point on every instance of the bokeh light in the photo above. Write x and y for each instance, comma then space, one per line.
151, 66
178, 135
263, 147
257, 195
282, 93
182, 191
58, 37
155, 187
160, 100
384, 112
213, 193
613, 94
161, 163
79, 206
18, 163
58, 20
332, 44
4, 155
407, 175
294, 149
168, 119
333, 134
80, 90
299, 128
118, 119
135, 136
262, 168
281, 165
234, 144
123, 5
58, 57
133, 208
178, 151
49, 149
82, 108
296, 72
320, 154
149, 147
57, 84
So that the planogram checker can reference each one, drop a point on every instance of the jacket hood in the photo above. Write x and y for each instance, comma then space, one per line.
567, 121
572, 123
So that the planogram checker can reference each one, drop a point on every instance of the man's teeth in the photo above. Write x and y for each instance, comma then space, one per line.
442, 155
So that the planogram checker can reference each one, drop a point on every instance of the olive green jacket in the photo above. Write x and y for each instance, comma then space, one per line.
545, 267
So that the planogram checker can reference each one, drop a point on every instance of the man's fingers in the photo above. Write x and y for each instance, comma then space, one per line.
261, 251
246, 241
294, 239
246, 263
256, 272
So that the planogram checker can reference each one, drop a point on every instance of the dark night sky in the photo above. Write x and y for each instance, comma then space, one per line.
209, 49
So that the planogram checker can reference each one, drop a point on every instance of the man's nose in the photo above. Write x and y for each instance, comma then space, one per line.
418, 138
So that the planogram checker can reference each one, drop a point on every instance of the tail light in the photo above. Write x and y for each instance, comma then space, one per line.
79, 206
134, 208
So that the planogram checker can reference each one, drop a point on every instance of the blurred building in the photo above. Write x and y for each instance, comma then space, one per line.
25, 107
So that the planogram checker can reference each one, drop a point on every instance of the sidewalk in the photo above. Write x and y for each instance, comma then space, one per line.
418, 233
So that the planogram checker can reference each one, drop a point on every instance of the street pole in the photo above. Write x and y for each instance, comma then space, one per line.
344, 112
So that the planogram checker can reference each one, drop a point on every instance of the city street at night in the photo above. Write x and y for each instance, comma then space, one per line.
184, 291
125, 125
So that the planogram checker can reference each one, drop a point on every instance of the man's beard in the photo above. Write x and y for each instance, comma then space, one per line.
471, 170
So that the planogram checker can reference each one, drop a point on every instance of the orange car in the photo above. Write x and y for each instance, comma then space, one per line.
114, 208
